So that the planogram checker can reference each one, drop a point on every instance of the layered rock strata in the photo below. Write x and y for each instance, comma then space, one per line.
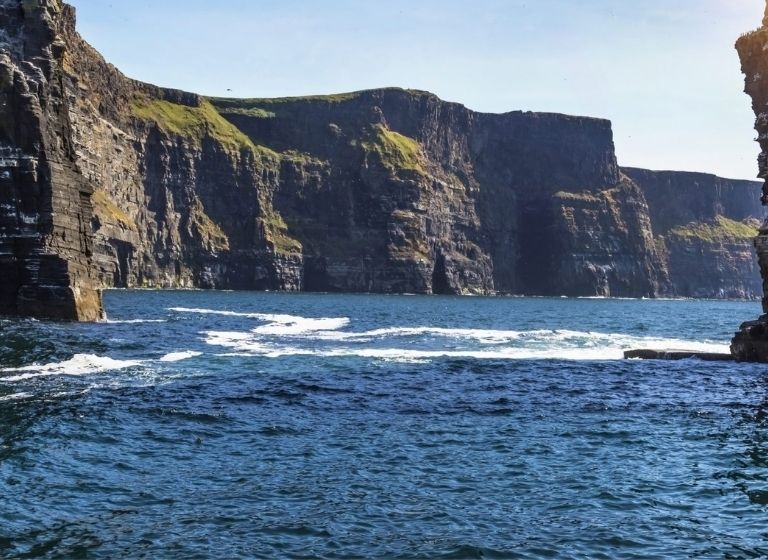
377, 191
751, 342
705, 227
46, 240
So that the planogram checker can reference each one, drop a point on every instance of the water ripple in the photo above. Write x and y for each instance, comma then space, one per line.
342, 451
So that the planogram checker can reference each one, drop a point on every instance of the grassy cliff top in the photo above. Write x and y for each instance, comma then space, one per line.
229, 104
195, 123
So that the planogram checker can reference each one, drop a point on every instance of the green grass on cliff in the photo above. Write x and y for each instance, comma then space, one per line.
105, 207
211, 234
256, 112
576, 197
277, 233
722, 229
395, 150
194, 122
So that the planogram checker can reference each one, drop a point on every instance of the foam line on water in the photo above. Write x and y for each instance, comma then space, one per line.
133, 321
79, 364
530, 345
86, 364
417, 356
16, 397
277, 324
223, 313
300, 325
179, 356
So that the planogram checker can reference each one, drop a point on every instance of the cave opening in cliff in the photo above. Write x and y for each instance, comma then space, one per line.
440, 284
535, 257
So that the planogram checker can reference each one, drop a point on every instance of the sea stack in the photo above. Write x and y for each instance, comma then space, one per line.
751, 342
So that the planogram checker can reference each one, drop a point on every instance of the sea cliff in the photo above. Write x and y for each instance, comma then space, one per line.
108, 181
751, 342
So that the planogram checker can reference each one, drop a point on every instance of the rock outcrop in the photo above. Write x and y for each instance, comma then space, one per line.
121, 183
751, 342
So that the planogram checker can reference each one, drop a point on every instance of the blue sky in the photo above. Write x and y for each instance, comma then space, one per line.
664, 71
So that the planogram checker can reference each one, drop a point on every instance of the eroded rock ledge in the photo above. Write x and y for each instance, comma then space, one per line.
107, 181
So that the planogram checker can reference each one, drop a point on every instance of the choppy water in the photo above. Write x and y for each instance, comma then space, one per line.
231, 425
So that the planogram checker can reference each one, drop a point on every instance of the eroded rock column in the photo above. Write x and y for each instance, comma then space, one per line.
751, 342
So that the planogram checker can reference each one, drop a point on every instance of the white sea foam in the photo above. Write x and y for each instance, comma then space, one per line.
284, 325
179, 356
16, 397
288, 335
133, 321
200, 311
523, 345
79, 364
420, 356
484, 336
277, 324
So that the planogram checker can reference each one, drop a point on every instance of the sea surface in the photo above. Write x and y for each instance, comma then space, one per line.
257, 425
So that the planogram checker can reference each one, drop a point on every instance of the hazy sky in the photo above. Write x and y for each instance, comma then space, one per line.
664, 71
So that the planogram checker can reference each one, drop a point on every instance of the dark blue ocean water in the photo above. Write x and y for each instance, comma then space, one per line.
244, 425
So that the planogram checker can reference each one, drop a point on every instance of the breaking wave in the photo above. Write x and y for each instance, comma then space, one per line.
79, 364
85, 364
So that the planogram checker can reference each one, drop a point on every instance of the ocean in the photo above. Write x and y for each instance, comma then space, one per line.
262, 425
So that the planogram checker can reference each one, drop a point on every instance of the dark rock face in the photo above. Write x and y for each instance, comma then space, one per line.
127, 184
705, 227
418, 195
751, 342
46, 242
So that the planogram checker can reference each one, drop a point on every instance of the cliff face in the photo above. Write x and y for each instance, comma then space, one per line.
751, 342
705, 227
46, 243
426, 196
380, 191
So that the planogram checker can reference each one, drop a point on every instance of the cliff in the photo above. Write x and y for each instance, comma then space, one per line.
379, 191
46, 242
705, 226
751, 342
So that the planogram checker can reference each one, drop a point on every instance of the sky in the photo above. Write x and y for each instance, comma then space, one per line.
664, 71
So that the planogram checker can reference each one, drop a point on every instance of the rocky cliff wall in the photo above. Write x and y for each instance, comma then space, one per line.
705, 227
751, 342
46, 242
379, 191
437, 194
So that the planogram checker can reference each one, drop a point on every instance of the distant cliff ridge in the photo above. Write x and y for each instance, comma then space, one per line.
377, 191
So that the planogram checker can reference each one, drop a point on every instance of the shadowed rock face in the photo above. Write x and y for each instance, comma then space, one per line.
377, 191
46, 241
705, 227
751, 342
